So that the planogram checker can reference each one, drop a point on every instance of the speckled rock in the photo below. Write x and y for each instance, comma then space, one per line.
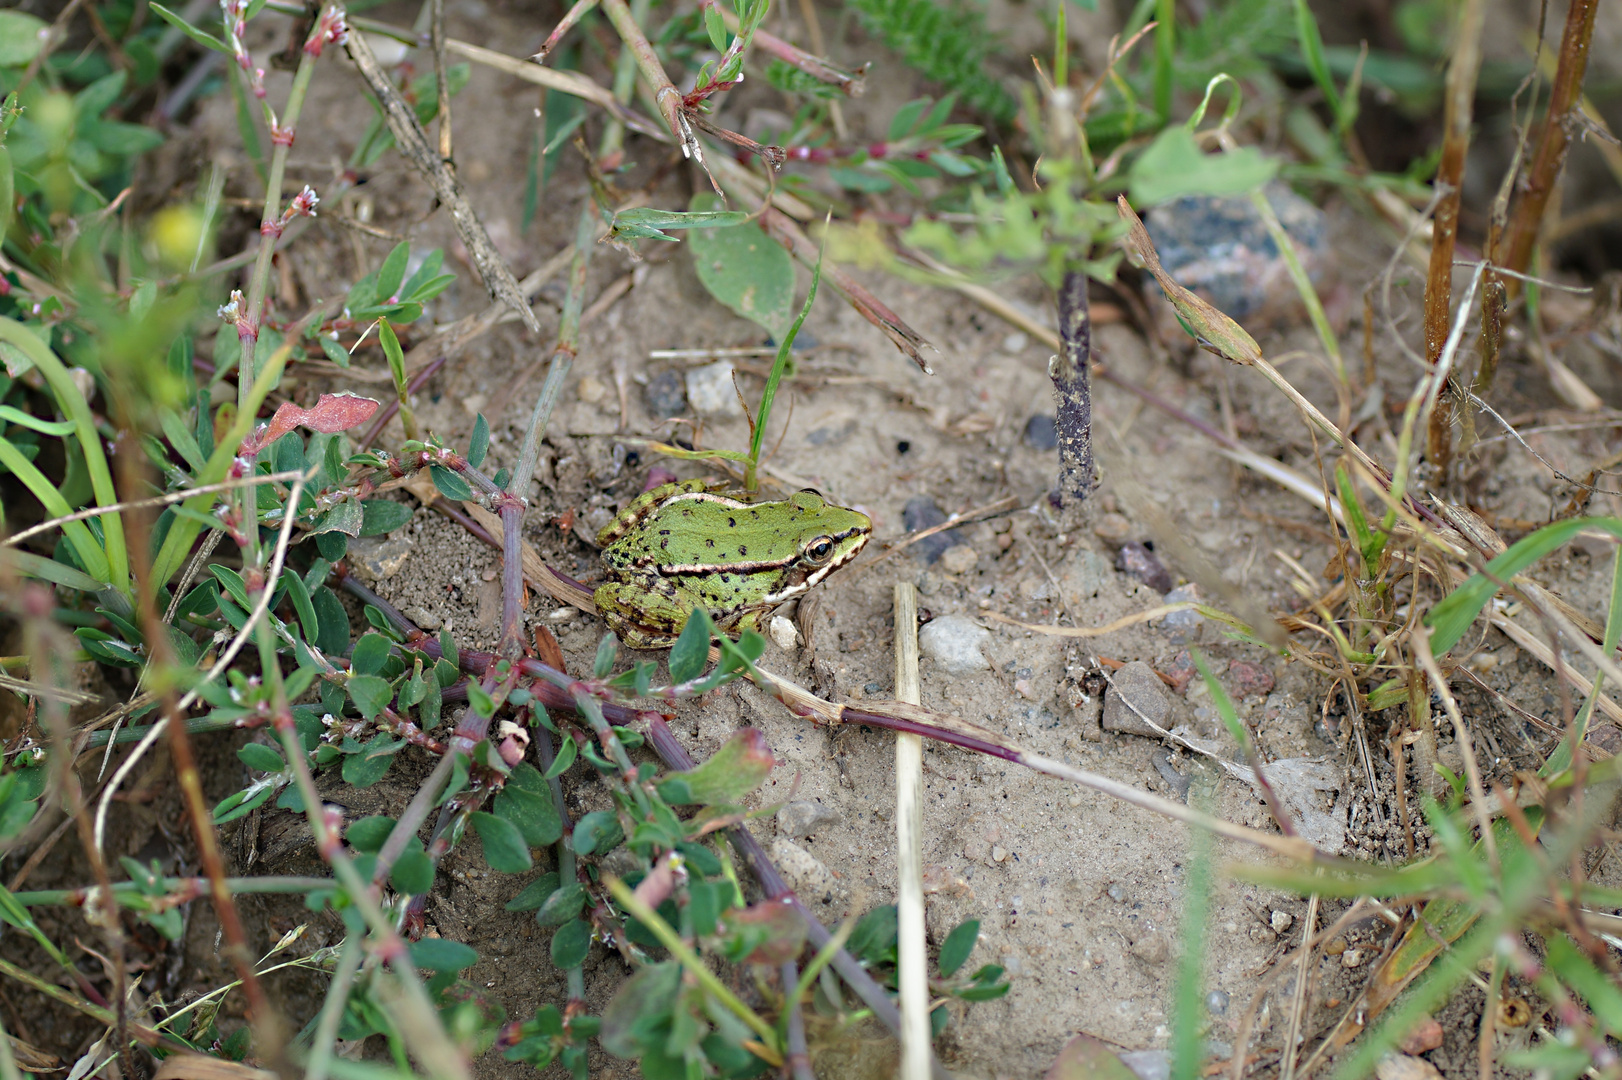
954, 642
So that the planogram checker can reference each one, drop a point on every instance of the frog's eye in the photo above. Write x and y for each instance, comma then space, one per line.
820, 550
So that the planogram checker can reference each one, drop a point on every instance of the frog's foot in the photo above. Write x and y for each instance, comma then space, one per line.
643, 617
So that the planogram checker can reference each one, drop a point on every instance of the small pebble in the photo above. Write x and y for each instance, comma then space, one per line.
1186, 625
1137, 684
709, 389
803, 817
959, 559
1015, 343
1138, 561
1116, 893
1216, 1002
665, 394
1403, 1067
954, 642
998, 853
1422, 1037
592, 390
783, 634
919, 514
1113, 529
1281, 921
873, 689
1352, 958
1181, 671
1040, 432
1247, 679
1336, 947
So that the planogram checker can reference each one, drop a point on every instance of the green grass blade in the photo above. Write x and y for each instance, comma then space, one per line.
1450, 619
77, 409
84, 542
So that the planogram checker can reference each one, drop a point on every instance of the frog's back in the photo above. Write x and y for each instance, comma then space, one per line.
702, 528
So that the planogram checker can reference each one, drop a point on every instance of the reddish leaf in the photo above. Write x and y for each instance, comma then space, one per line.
332, 413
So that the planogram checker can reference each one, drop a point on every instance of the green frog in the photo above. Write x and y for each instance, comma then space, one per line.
685, 546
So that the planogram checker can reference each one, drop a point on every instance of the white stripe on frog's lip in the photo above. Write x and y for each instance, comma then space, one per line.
773, 599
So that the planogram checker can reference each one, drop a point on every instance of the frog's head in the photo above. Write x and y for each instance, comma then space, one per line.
826, 536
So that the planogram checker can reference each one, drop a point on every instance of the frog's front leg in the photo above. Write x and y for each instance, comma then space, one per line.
646, 613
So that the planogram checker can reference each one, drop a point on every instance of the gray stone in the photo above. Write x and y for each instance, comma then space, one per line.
919, 514
1133, 690
709, 389
665, 394
954, 642
1184, 626
804, 817
1040, 432
376, 558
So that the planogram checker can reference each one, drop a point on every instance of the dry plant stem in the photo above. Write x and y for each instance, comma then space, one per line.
332, 1010
572, 16
912, 960
139, 1032
8, 1062
261, 605
442, 84
1461, 90
413, 143
1070, 370
1420, 643
1299, 1004
665, 94
849, 83
1549, 159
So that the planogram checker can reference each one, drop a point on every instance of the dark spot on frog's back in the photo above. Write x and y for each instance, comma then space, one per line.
732, 523
709, 541
743, 551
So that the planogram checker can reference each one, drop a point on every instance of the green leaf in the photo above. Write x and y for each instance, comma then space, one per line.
692, 649
737, 768
392, 272
562, 904
449, 484
367, 767
958, 945
565, 758
570, 944
380, 516
1174, 166
607, 648
716, 27
370, 693
744, 269
440, 954
906, 118
413, 873
392, 352
369, 834
593, 832
1451, 618
479, 444
261, 757
371, 653
20, 39
504, 847
329, 610
533, 815
535, 893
